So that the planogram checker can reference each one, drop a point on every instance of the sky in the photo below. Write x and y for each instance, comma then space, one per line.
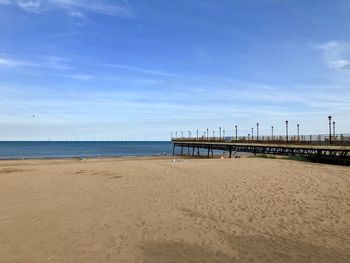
139, 70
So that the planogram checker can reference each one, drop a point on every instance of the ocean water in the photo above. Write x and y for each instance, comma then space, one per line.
28, 150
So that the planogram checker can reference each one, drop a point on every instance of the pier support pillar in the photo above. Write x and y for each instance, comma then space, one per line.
174, 149
230, 152
182, 149
208, 152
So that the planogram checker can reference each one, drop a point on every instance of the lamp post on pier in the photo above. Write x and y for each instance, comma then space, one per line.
287, 131
197, 135
219, 133
298, 130
252, 134
207, 134
182, 134
330, 128
223, 134
271, 132
333, 129
236, 133
257, 131
176, 135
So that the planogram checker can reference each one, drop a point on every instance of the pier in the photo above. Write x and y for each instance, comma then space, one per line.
316, 146
320, 147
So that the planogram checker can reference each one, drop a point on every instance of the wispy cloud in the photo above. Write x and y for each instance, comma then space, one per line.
74, 7
77, 14
336, 54
9, 62
50, 62
83, 77
71, 67
63, 64
143, 70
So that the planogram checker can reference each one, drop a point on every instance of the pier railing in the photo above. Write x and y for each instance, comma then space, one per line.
320, 139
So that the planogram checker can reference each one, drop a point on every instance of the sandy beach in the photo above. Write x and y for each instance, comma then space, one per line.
158, 210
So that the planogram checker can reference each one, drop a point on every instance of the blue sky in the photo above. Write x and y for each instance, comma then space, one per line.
138, 70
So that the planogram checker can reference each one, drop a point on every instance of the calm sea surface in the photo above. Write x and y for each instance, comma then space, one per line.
19, 150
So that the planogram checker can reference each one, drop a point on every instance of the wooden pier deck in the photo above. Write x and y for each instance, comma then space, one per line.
330, 152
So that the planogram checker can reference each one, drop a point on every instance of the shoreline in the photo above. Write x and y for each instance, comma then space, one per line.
161, 157
109, 158
81, 157
16, 161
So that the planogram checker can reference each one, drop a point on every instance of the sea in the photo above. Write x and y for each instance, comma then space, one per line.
42, 150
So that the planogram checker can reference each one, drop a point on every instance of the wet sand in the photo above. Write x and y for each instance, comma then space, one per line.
158, 210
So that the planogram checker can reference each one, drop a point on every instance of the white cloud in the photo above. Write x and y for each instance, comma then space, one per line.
74, 7
29, 5
77, 14
336, 54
